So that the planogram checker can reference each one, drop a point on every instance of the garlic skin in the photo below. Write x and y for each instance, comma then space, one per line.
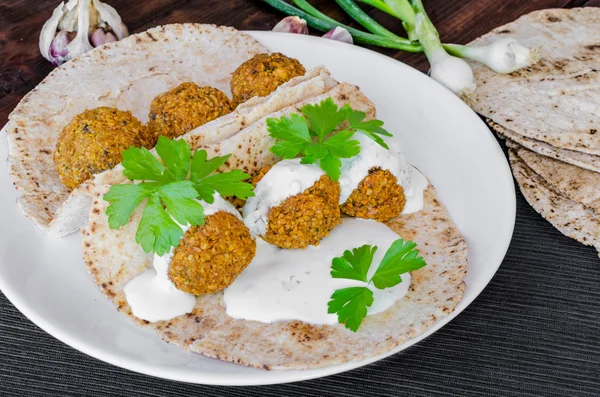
291, 25
78, 26
339, 34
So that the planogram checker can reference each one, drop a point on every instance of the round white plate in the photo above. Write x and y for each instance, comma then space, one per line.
46, 280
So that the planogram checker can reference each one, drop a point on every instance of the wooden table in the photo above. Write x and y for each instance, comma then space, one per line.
534, 330
459, 21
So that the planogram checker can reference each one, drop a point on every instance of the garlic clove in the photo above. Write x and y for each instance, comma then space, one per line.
49, 31
58, 48
112, 18
339, 34
291, 25
104, 34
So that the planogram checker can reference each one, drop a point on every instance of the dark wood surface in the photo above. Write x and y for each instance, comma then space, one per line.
534, 331
458, 21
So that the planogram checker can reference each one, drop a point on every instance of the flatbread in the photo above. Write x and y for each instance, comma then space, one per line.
127, 75
73, 213
583, 160
113, 258
555, 101
577, 184
570, 218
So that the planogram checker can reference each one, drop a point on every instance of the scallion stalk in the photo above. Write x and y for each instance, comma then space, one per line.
400, 9
364, 19
359, 36
307, 7
453, 73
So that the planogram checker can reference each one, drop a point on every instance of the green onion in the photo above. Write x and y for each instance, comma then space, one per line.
361, 37
400, 9
364, 19
453, 73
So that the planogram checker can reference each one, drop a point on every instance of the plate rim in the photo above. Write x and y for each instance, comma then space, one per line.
127, 363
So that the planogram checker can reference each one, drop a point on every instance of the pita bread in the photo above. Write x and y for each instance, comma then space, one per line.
128, 74
113, 259
73, 213
575, 183
555, 101
584, 160
570, 218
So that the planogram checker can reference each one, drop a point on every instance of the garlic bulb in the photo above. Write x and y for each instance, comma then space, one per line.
78, 26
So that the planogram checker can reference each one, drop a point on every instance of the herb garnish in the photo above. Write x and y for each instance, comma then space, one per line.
310, 135
172, 198
351, 303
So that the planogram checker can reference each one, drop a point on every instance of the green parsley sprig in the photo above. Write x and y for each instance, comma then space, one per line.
172, 198
351, 303
310, 135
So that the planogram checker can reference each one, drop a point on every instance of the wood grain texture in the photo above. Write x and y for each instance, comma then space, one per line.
23, 67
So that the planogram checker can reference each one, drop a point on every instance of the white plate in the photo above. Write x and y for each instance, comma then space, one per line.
46, 280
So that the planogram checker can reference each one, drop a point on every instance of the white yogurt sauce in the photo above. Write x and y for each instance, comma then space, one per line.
152, 295
285, 179
283, 284
414, 193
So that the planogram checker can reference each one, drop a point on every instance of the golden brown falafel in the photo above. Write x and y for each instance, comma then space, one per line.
378, 196
211, 256
262, 74
186, 107
306, 218
93, 142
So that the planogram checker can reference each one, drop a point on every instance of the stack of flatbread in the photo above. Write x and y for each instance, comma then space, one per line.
549, 114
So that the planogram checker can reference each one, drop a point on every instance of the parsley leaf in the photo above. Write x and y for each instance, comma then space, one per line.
157, 230
140, 164
331, 166
179, 199
175, 155
341, 146
324, 117
125, 199
351, 305
353, 265
371, 128
292, 135
401, 257
202, 168
172, 199
314, 136
226, 183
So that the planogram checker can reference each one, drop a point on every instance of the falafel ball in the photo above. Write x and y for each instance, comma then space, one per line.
186, 107
93, 142
211, 256
378, 196
306, 218
262, 74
